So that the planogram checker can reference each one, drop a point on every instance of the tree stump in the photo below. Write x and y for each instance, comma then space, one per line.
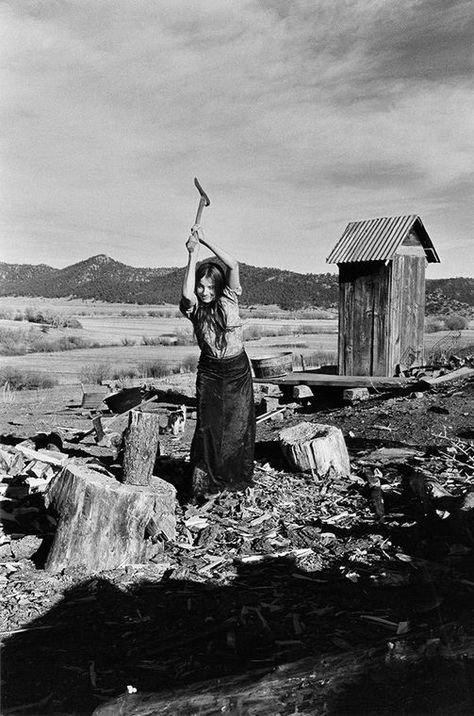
141, 441
315, 448
102, 523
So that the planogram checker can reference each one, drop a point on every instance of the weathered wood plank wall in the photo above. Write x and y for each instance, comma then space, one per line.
363, 318
381, 313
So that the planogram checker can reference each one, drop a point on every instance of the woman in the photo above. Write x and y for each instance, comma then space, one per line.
223, 445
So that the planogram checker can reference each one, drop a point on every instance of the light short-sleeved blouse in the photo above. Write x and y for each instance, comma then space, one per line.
206, 337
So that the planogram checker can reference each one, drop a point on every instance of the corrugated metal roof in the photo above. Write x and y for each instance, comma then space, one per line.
379, 239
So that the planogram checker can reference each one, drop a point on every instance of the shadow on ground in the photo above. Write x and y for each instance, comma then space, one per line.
163, 637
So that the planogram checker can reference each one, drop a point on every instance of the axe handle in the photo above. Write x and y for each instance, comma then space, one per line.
202, 204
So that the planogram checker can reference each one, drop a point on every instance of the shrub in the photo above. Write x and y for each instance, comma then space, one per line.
456, 322
162, 368
39, 344
434, 325
33, 315
13, 341
308, 328
319, 358
17, 379
18, 341
133, 314
162, 313
253, 333
185, 337
156, 369
57, 320
315, 314
6, 313
180, 338
71, 322
287, 346
123, 372
126, 341
95, 372
189, 363
151, 340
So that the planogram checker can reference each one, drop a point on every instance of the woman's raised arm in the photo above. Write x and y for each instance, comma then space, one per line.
232, 265
189, 283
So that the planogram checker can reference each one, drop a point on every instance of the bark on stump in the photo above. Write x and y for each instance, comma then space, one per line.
319, 449
141, 441
102, 523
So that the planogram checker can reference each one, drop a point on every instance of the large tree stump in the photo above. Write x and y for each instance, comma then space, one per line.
141, 441
102, 523
315, 448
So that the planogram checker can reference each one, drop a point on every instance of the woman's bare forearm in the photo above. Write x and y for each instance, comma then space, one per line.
224, 256
189, 282
230, 262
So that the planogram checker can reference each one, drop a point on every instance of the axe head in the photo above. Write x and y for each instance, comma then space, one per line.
202, 192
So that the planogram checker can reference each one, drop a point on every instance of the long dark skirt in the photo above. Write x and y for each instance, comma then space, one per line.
222, 450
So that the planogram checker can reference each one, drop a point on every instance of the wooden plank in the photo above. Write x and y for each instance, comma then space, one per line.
453, 375
363, 321
412, 308
395, 313
340, 381
421, 299
380, 321
346, 319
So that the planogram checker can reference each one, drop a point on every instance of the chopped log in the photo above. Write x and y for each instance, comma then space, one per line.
319, 449
141, 442
102, 523
162, 520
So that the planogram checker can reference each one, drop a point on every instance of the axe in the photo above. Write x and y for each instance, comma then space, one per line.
203, 200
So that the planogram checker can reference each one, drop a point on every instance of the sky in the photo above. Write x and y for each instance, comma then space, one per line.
297, 117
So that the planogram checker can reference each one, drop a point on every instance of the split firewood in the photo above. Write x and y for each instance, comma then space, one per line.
437, 499
52, 457
270, 414
376, 494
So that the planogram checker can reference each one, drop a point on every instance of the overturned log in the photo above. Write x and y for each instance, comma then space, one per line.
319, 449
102, 523
141, 440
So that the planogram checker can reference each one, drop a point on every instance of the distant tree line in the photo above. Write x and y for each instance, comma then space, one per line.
103, 279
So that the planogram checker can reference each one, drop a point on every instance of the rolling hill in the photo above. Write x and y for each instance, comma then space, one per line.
102, 278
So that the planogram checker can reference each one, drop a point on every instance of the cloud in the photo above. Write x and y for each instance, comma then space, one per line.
297, 117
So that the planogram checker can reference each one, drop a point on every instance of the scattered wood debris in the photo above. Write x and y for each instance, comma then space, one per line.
360, 573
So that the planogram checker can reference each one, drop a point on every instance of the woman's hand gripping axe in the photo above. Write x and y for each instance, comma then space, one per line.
203, 201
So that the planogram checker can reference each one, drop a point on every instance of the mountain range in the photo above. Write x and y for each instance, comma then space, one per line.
102, 278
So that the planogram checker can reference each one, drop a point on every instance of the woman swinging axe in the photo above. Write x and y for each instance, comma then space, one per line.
222, 450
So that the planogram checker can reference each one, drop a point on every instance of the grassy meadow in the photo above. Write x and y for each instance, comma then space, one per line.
72, 341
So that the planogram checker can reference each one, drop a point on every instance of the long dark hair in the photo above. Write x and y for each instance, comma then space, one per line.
213, 314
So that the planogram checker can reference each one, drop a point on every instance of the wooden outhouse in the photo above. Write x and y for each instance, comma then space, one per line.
381, 294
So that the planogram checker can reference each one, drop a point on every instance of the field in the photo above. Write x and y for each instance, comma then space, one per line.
123, 330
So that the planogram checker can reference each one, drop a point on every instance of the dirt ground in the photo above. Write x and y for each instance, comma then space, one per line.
295, 597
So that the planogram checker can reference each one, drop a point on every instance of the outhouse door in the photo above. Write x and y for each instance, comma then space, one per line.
363, 318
